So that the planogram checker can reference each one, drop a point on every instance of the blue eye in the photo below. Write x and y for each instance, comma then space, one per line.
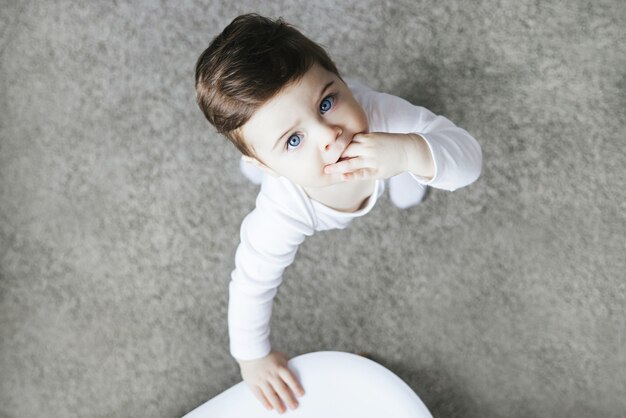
293, 141
326, 104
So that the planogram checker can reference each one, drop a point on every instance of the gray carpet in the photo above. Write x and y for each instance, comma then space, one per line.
120, 210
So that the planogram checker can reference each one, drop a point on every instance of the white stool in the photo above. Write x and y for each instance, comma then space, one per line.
336, 385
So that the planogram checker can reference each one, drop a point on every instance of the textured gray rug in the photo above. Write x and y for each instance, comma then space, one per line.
120, 210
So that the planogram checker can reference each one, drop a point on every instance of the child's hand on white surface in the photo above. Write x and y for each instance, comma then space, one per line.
271, 381
380, 155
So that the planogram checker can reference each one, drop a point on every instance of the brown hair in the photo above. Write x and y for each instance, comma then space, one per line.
247, 64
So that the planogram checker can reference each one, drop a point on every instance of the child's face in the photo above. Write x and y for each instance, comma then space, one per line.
305, 127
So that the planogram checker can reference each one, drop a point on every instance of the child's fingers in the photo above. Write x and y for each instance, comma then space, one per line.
291, 380
360, 137
353, 149
258, 393
285, 393
361, 174
345, 166
271, 395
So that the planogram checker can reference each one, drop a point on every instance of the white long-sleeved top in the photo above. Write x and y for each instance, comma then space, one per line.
284, 215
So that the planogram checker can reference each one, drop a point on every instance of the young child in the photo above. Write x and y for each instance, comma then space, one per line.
322, 146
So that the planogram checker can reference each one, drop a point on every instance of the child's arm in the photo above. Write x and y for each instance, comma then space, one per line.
270, 237
405, 137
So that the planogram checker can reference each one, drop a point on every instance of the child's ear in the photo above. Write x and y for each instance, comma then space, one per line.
258, 164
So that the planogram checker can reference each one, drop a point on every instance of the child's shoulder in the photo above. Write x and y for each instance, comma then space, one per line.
356, 85
364, 93
385, 112
374, 103
280, 196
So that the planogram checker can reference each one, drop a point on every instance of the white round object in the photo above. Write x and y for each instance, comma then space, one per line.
337, 385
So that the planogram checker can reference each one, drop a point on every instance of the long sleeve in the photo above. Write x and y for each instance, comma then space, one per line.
456, 154
270, 238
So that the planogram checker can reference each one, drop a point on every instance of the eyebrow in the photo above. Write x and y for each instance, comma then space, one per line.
288, 130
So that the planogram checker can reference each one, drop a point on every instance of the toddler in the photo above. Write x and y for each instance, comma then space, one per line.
322, 147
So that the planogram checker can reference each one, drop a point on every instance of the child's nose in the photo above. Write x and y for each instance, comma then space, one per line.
332, 134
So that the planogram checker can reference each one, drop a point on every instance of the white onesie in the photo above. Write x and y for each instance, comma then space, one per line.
284, 215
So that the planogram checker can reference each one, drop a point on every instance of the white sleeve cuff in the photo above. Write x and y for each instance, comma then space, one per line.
242, 352
424, 180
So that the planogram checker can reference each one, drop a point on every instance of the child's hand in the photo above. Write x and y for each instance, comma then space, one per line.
379, 155
271, 381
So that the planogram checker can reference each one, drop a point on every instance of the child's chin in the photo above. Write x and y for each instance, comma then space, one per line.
320, 183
